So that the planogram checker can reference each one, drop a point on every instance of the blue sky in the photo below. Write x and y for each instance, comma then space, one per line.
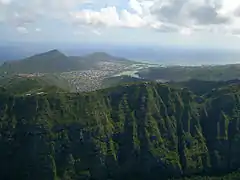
208, 23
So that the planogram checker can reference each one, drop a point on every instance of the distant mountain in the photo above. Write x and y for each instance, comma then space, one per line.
101, 56
51, 61
54, 61
94, 60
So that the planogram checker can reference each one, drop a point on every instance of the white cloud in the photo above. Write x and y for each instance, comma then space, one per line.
217, 16
183, 16
186, 31
38, 29
77, 33
22, 30
30, 11
107, 17
189, 12
5, 1
96, 32
131, 20
136, 6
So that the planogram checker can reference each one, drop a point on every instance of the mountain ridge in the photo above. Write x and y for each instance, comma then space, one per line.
54, 61
138, 131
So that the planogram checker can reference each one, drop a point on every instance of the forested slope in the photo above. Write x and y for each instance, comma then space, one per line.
21, 85
138, 131
185, 73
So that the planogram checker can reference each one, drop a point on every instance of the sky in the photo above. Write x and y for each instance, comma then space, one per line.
200, 23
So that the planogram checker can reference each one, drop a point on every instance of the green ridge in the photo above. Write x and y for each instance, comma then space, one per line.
137, 131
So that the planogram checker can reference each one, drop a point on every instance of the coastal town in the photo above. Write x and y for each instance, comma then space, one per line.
90, 80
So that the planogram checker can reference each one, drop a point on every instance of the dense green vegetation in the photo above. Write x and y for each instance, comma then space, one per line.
181, 73
137, 131
230, 176
198, 87
201, 87
120, 80
21, 86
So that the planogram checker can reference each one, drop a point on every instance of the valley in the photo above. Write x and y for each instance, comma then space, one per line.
119, 90
90, 80
82, 74
97, 71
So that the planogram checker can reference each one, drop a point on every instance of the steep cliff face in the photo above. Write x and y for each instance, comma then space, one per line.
142, 131
220, 124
